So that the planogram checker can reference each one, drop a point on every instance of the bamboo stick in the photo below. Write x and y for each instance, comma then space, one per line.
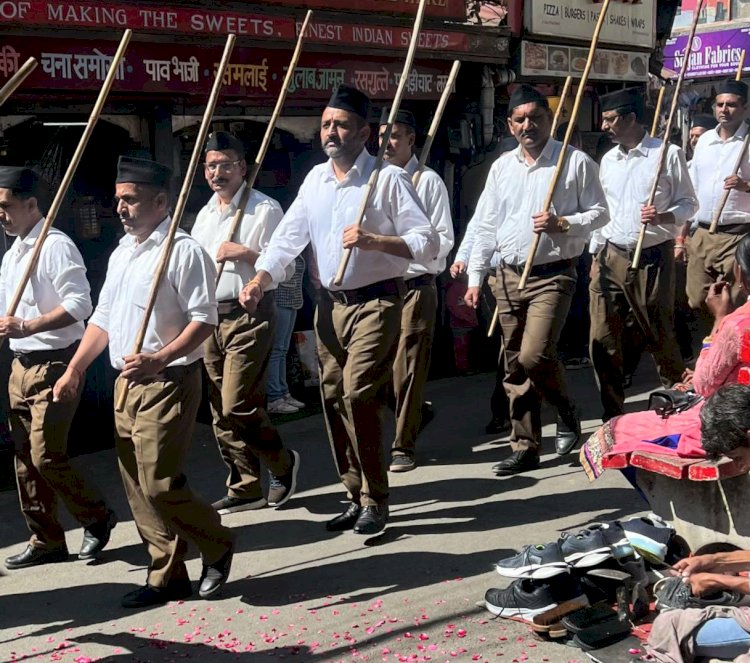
370, 186
657, 111
19, 77
560, 105
180, 207
255, 168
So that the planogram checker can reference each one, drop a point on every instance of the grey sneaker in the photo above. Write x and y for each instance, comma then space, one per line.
282, 488
673, 593
534, 561
402, 464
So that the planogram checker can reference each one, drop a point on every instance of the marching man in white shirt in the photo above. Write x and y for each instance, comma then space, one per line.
44, 334
357, 323
627, 173
715, 154
420, 303
155, 428
237, 352
532, 318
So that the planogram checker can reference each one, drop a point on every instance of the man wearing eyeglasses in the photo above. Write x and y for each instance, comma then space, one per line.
236, 354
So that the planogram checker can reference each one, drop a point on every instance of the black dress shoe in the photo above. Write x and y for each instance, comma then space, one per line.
568, 431
96, 536
36, 556
372, 519
517, 462
148, 595
344, 520
215, 575
497, 426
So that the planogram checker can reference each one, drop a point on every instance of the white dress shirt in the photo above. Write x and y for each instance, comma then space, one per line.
186, 294
58, 280
627, 178
211, 229
463, 254
434, 196
515, 191
324, 207
713, 160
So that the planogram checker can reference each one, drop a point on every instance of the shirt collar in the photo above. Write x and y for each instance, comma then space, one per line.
359, 167
645, 146
714, 136
213, 203
411, 165
23, 245
156, 237
546, 154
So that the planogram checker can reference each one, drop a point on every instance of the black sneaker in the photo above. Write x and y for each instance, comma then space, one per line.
534, 561
402, 464
673, 593
525, 598
280, 489
586, 549
229, 504
650, 536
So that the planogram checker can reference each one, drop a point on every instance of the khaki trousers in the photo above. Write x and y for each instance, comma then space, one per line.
711, 258
40, 429
412, 364
236, 360
650, 293
153, 435
356, 349
532, 320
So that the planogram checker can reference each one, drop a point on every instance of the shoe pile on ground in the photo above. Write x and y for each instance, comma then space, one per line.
590, 586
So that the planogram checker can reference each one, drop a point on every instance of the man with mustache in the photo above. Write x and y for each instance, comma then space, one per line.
237, 352
627, 173
357, 323
715, 154
508, 214
155, 428
44, 333
420, 303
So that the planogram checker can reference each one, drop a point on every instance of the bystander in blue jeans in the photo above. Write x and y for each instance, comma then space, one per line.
276, 385
721, 638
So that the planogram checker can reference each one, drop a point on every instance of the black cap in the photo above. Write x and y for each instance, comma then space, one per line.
402, 117
731, 86
348, 98
223, 140
20, 180
705, 121
525, 94
142, 171
629, 100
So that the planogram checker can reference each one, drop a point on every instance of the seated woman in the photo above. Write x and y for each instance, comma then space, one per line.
719, 364
717, 632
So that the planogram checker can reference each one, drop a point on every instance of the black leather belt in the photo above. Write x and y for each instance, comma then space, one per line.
729, 228
541, 270
417, 281
387, 288
29, 359
645, 253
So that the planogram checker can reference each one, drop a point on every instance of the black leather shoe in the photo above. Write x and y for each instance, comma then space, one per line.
36, 556
96, 536
517, 462
215, 575
568, 432
497, 426
372, 519
344, 520
148, 595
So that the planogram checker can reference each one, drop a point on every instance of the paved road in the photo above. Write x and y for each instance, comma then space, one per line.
302, 594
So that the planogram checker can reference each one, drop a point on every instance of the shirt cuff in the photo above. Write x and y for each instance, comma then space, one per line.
476, 278
278, 273
100, 319
205, 314
76, 309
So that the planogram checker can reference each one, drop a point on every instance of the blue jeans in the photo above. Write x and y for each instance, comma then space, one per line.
721, 638
276, 384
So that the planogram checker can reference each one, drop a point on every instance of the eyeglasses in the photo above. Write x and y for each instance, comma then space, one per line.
222, 166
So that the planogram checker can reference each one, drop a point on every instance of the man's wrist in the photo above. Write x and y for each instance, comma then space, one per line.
563, 224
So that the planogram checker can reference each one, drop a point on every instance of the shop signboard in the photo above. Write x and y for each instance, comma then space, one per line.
557, 60
448, 9
631, 24
179, 19
189, 70
713, 53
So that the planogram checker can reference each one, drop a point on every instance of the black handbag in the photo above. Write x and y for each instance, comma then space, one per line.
671, 401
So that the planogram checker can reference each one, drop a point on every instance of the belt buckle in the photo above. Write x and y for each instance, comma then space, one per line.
344, 299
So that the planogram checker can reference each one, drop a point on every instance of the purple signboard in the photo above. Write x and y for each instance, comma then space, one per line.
713, 53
